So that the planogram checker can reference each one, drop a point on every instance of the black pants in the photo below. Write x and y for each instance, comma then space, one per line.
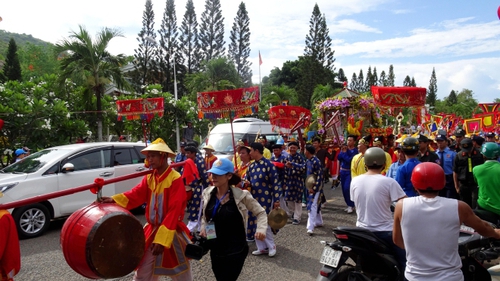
228, 268
487, 215
468, 193
449, 190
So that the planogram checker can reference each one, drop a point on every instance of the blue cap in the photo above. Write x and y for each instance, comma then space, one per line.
280, 141
222, 166
20, 151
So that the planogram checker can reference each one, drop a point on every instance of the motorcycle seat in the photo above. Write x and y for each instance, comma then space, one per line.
366, 235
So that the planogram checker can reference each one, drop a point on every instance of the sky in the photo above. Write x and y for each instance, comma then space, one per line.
459, 39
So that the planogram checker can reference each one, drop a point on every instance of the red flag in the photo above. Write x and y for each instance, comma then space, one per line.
260, 59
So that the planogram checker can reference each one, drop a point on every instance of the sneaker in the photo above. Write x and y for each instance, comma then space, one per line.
310, 232
295, 222
250, 240
304, 205
262, 252
272, 252
318, 225
345, 210
349, 210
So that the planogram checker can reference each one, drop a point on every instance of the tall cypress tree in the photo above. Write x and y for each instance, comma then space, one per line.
374, 81
361, 82
413, 83
407, 81
354, 82
169, 52
452, 98
341, 75
239, 49
432, 90
369, 79
189, 39
382, 80
318, 41
391, 78
144, 54
212, 31
12, 67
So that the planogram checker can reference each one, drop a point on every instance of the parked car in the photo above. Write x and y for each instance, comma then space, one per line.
64, 167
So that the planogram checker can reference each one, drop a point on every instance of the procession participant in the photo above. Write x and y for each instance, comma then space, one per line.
236, 159
295, 170
166, 234
424, 153
477, 141
188, 134
225, 211
263, 178
193, 206
358, 162
347, 152
391, 173
428, 228
282, 143
315, 193
459, 136
446, 159
209, 156
486, 176
279, 160
410, 148
323, 155
181, 156
241, 171
263, 140
390, 147
468, 158
10, 252
334, 165
379, 142
490, 137
373, 195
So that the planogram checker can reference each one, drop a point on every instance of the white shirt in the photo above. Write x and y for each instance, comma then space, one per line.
373, 195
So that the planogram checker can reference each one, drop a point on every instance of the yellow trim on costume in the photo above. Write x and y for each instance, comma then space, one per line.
164, 236
166, 183
3, 212
121, 200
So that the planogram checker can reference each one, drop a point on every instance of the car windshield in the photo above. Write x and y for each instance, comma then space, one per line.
34, 162
223, 143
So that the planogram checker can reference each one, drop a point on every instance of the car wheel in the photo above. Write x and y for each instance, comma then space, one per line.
32, 220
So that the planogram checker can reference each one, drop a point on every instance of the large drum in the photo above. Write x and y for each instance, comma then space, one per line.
102, 241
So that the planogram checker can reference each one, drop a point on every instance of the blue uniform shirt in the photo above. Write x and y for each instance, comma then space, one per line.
403, 176
391, 173
345, 158
449, 158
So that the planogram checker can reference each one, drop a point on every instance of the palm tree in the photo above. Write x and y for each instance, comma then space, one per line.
89, 63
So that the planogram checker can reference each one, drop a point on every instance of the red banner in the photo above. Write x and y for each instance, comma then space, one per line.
285, 116
140, 108
399, 96
228, 103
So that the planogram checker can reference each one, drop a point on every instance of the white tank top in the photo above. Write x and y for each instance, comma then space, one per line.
433, 226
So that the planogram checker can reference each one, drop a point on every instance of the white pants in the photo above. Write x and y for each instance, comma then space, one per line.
268, 243
314, 219
284, 206
296, 208
145, 270
194, 226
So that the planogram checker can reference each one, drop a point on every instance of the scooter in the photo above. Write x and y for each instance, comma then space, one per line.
359, 255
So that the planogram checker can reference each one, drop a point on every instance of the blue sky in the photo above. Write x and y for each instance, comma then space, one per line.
460, 39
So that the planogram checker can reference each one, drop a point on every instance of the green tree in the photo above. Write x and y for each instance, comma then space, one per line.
407, 81
413, 83
275, 95
288, 75
383, 79
361, 82
189, 39
354, 82
341, 75
37, 60
12, 67
452, 98
464, 106
216, 74
312, 73
144, 54
239, 48
432, 90
322, 92
90, 64
391, 77
497, 100
318, 41
212, 31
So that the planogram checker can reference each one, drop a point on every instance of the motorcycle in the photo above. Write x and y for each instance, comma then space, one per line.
359, 255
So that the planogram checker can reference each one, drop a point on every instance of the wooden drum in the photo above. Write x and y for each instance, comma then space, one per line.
102, 241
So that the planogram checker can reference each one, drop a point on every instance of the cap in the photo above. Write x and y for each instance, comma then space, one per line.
378, 140
222, 166
365, 140
489, 135
459, 132
466, 144
422, 138
26, 149
182, 144
20, 151
478, 139
441, 137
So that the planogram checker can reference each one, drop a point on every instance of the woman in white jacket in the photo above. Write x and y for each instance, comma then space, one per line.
224, 220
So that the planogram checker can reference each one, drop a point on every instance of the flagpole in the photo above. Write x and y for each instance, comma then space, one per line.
260, 82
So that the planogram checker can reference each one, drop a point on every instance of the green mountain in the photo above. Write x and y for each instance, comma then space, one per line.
21, 40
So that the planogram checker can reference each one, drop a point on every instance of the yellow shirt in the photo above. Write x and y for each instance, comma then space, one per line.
267, 153
388, 162
358, 165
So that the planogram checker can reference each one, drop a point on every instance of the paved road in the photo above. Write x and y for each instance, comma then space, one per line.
297, 253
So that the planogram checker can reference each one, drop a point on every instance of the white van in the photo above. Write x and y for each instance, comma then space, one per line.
247, 129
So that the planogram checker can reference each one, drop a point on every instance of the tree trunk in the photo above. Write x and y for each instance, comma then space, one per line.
99, 113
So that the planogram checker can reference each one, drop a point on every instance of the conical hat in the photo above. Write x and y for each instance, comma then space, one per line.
158, 145
277, 218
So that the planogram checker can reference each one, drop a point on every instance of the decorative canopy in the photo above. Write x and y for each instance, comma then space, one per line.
228, 103
399, 96
286, 116
140, 108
